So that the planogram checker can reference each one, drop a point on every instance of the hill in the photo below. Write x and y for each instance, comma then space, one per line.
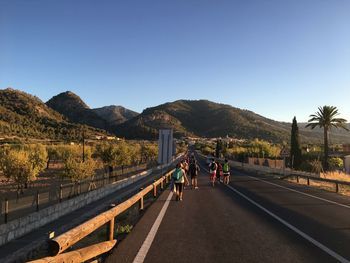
115, 115
24, 115
203, 118
71, 106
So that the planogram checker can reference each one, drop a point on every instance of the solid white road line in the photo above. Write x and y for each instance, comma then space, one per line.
141, 255
296, 191
293, 228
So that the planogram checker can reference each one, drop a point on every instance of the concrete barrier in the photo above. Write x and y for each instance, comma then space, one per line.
21, 226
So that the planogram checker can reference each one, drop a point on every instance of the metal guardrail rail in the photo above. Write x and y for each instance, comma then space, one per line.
287, 173
312, 178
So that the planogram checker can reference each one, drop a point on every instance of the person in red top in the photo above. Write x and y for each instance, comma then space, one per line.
218, 171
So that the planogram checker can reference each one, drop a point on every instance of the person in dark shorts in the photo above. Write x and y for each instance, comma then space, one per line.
194, 169
179, 177
212, 171
226, 172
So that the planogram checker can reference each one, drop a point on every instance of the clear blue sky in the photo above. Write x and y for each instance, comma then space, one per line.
277, 58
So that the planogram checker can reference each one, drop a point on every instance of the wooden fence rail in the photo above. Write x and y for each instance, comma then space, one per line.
80, 255
69, 238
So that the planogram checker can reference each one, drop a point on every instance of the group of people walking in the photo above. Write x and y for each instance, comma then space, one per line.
189, 166
219, 172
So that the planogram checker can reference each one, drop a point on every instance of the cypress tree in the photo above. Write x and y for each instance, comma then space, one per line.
295, 151
218, 148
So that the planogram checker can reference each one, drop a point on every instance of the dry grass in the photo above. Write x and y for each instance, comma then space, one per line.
339, 176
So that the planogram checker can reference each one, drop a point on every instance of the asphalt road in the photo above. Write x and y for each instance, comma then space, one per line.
255, 219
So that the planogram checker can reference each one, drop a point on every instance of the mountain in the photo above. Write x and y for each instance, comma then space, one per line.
115, 115
336, 135
204, 118
24, 115
72, 106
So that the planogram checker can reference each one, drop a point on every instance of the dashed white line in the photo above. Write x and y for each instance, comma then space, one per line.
141, 255
293, 228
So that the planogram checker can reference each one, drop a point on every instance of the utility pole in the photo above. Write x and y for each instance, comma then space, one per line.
83, 145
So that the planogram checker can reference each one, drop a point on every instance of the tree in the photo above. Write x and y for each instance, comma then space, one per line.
295, 151
336, 163
107, 154
326, 118
76, 169
23, 166
218, 148
149, 152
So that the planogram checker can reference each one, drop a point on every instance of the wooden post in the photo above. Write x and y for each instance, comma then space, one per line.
297, 179
141, 200
37, 200
69, 238
337, 187
6, 209
308, 181
154, 189
79, 187
61, 194
162, 183
111, 230
141, 203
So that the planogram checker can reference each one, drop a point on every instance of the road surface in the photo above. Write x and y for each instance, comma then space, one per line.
254, 219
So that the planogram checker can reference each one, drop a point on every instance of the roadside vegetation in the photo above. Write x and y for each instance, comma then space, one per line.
21, 165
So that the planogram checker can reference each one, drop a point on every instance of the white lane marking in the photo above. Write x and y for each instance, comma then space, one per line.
293, 228
141, 255
296, 191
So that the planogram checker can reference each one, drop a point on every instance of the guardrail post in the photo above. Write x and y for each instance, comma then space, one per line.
37, 200
79, 187
6, 209
72, 190
162, 183
110, 231
308, 181
141, 200
61, 194
154, 190
337, 187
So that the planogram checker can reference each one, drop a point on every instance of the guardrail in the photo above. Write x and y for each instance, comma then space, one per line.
311, 178
69, 238
287, 173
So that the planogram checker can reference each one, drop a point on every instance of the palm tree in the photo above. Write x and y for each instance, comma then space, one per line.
326, 118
